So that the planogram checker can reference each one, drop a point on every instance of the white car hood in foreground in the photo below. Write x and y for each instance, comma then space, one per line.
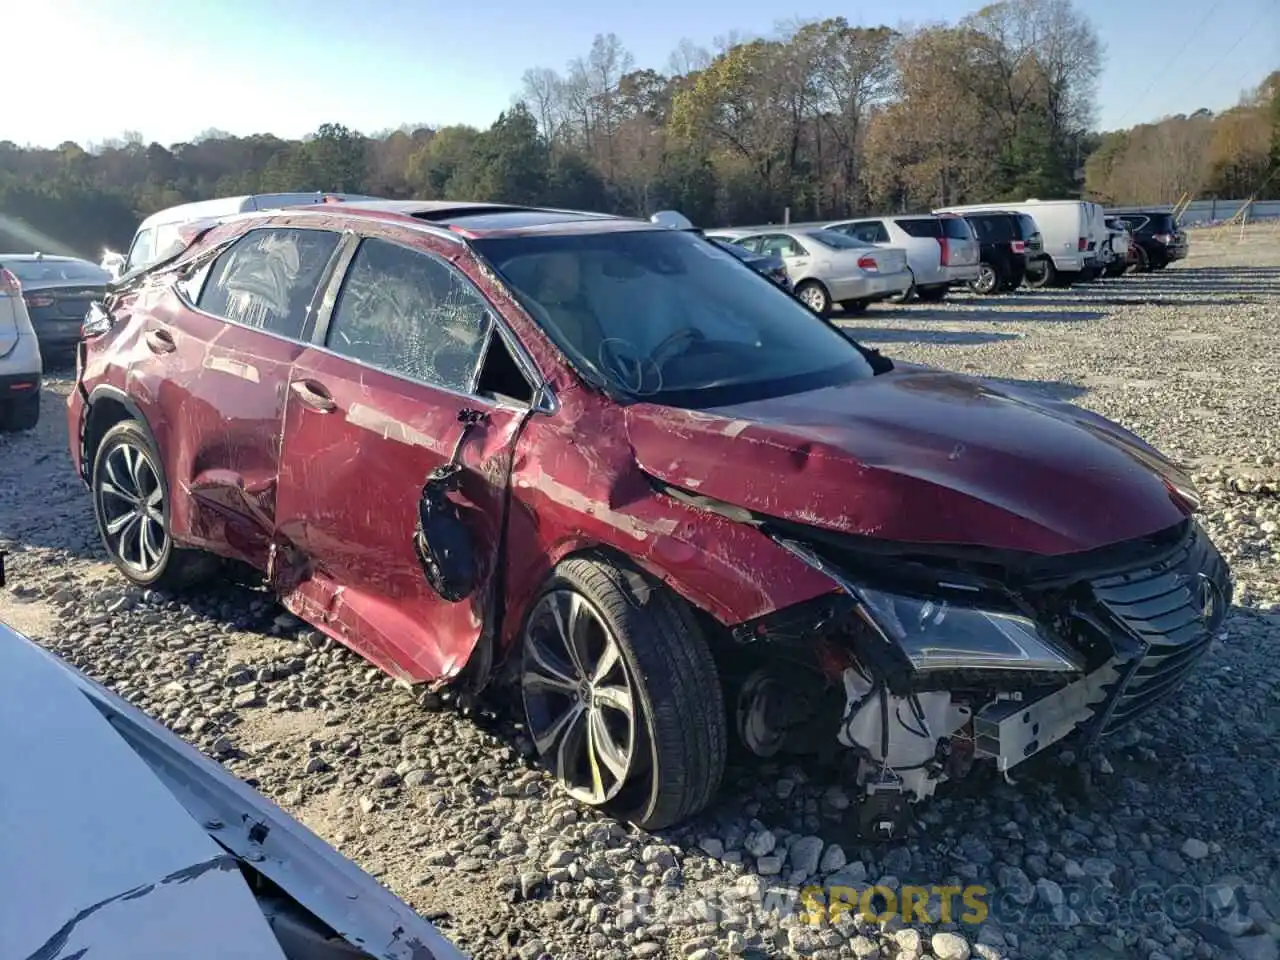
108, 852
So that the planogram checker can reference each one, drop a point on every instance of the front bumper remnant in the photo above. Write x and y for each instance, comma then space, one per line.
1010, 731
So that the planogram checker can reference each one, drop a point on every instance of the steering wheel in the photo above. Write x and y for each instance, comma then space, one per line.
690, 334
621, 358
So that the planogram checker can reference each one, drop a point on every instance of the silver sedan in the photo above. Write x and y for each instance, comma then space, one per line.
828, 267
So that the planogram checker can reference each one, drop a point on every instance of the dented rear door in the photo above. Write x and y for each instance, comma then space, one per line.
372, 410
214, 359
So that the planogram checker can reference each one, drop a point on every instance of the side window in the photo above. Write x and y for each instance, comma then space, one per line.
749, 243
140, 252
408, 313
872, 232
267, 279
782, 246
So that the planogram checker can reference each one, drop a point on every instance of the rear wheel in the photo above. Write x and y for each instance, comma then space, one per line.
1042, 274
815, 296
20, 414
1144, 261
131, 502
988, 280
621, 695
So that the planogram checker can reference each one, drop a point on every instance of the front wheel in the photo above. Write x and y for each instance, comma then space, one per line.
131, 503
814, 295
621, 695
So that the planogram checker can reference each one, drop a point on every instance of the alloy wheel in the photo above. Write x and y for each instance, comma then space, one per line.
578, 698
131, 505
986, 281
814, 298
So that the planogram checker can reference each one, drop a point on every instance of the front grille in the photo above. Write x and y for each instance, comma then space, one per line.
1172, 609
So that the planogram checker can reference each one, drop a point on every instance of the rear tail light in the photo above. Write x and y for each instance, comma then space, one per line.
1019, 246
868, 262
9, 283
39, 300
945, 246
1165, 238
1083, 244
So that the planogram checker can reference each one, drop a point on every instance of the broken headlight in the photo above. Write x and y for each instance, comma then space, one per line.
938, 635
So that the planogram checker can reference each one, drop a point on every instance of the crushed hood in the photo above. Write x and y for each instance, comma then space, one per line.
108, 824
919, 455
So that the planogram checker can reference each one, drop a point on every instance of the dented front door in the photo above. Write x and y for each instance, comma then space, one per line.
368, 418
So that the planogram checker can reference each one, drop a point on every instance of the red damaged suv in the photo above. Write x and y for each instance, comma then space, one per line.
604, 460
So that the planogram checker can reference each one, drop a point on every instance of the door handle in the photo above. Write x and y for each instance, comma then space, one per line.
160, 341
313, 395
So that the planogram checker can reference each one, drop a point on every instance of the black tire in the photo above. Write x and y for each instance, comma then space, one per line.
680, 738
815, 296
854, 306
169, 568
1115, 270
17, 416
908, 294
932, 294
1044, 274
990, 279
1144, 261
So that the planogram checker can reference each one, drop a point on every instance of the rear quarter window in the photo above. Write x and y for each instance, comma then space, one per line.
921, 226
992, 228
955, 228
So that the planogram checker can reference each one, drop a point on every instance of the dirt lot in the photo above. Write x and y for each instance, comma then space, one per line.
1177, 854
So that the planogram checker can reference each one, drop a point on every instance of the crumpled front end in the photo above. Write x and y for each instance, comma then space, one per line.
935, 660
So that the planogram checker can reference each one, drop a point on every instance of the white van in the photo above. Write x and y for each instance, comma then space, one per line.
1071, 230
158, 234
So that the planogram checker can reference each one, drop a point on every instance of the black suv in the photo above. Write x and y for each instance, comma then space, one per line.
1007, 242
1156, 235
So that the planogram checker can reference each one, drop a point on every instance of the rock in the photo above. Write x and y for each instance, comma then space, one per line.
769, 865
1194, 849
833, 860
805, 854
1262, 947
712, 847
761, 843
949, 946
909, 943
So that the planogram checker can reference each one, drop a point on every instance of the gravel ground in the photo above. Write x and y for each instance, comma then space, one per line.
1174, 853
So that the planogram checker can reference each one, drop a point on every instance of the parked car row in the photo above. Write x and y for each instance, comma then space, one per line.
988, 248
612, 467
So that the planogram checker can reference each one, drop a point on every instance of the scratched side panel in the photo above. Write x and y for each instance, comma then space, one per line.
575, 485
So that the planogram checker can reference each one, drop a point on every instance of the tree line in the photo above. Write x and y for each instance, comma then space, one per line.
824, 118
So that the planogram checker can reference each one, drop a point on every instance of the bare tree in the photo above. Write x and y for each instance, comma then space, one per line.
542, 89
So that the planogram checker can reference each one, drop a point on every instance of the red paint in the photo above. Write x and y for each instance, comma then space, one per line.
324, 503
